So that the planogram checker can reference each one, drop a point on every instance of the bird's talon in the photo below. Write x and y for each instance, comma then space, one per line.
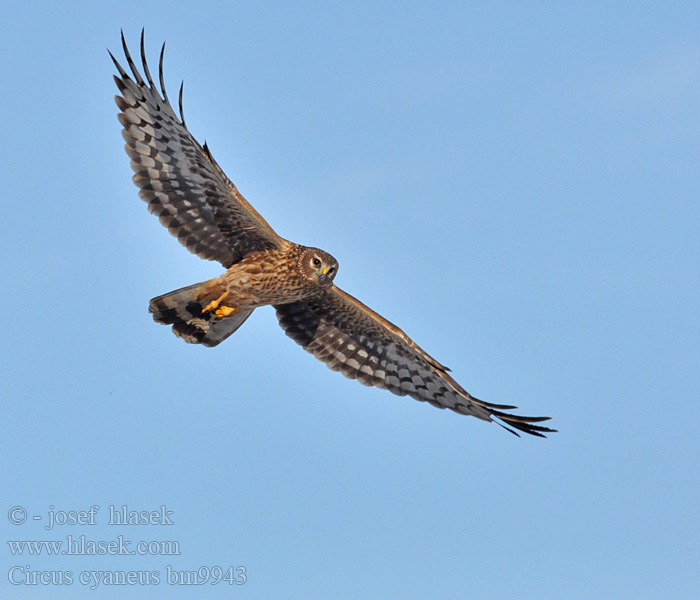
215, 304
225, 311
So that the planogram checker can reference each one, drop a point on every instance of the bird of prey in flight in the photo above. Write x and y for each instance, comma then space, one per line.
191, 195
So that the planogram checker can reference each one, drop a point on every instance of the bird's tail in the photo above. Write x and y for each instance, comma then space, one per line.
198, 313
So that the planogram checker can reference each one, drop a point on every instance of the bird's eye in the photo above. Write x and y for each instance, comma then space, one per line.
331, 270
316, 262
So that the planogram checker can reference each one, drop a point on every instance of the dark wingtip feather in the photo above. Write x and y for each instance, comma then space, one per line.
207, 152
121, 70
146, 71
160, 74
132, 66
509, 430
490, 405
179, 101
524, 424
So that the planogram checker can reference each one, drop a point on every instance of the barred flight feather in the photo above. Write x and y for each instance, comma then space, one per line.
340, 331
178, 178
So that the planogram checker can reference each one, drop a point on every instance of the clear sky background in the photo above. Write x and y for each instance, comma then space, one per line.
515, 184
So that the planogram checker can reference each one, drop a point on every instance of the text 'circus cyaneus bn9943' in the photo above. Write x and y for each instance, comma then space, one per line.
187, 190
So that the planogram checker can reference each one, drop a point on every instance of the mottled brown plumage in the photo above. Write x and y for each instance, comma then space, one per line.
188, 191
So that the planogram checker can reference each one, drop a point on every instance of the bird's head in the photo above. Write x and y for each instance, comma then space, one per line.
318, 266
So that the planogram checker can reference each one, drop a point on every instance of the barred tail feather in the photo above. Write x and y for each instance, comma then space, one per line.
184, 311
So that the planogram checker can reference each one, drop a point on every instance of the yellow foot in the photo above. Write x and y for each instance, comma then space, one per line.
225, 311
214, 303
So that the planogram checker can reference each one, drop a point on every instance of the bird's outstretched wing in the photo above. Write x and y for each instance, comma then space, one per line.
351, 338
178, 178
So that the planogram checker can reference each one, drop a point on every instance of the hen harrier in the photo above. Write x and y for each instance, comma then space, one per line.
190, 194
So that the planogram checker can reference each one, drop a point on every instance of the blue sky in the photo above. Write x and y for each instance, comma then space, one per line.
514, 184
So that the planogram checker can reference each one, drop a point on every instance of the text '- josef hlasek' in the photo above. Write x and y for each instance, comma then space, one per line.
114, 515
